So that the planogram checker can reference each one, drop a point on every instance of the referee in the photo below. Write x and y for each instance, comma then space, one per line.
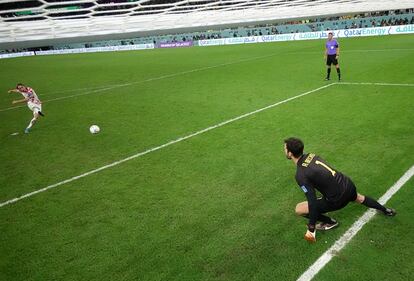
337, 189
331, 56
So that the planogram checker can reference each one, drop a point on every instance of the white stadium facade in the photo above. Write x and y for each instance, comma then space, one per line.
30, 23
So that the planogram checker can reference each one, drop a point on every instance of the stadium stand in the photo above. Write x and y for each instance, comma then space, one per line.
346, 22
52, 24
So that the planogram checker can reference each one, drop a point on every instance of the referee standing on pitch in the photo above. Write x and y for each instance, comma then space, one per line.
337, 190
332, 56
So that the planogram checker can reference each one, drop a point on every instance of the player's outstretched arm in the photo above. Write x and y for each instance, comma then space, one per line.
19, 101
13, 91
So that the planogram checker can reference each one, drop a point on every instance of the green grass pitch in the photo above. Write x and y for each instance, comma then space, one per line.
219, 205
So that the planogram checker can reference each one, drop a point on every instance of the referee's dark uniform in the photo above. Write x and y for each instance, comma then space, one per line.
337, 190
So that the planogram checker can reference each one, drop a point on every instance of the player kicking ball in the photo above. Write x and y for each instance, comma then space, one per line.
32, 100
337, 189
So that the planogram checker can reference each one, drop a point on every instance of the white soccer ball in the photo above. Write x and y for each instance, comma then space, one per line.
94, 129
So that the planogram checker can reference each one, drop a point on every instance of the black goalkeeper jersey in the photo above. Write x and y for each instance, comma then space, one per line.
313, 173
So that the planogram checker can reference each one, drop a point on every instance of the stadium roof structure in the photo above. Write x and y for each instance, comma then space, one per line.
31, 20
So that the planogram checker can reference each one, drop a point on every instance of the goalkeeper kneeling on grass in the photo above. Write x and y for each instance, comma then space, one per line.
337, 189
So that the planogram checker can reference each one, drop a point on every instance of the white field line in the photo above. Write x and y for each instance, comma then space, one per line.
353, 230
377, 50
194, 70
102, 88
79, 89
354, 51
294, 53
2, 204
61, 98
376, 84
114, 86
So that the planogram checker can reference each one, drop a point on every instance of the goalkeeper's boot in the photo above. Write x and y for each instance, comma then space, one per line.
390, 212
326, 226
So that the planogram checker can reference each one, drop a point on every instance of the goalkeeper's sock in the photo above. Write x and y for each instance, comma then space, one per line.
371, 203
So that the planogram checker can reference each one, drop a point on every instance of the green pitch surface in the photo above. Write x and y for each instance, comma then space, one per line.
217, 205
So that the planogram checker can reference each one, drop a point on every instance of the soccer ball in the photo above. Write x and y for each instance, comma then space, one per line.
94, 129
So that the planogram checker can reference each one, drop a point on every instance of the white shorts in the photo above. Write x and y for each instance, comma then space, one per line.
34, 107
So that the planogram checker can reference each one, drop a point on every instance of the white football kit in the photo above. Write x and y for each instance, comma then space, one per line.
33, 101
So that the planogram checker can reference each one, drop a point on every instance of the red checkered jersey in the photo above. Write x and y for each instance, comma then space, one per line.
31, 96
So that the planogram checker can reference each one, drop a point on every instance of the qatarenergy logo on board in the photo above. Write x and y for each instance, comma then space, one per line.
342, 33
358, 32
